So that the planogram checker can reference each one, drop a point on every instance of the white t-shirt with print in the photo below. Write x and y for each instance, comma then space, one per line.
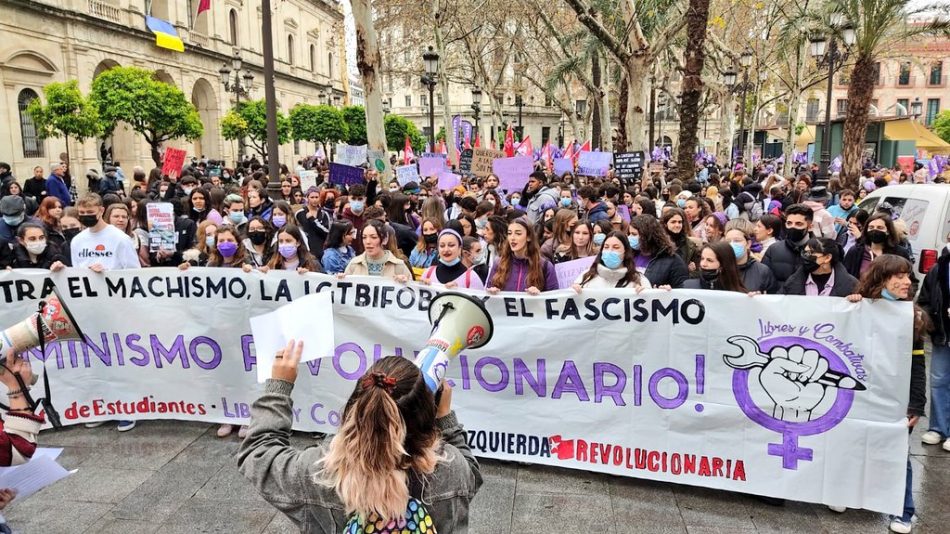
110, 247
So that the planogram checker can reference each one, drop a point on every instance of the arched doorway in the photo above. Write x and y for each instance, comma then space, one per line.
204, 99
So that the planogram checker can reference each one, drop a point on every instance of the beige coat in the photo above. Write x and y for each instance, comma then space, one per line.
393, 267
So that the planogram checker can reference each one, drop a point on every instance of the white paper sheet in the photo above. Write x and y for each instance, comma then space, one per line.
31, 477
308, 319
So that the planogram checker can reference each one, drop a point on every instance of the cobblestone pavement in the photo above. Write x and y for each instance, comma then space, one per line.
175, 477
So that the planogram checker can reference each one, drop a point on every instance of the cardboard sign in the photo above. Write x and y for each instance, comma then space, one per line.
345, 174
563, 165
161, 227
173, 162
629, 166
906, 164
568, 271
406, 174
483, 161
594, 163
465, 162
513, 172
308, 179
432, 165
448, 180
353, 155
376, 159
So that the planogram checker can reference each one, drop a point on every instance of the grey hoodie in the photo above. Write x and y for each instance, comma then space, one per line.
284, 476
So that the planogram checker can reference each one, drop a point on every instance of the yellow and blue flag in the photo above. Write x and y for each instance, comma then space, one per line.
166, 36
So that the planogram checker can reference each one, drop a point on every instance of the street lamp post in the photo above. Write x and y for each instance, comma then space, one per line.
241, 86
270, 100
729, 77
833, 57
519, 103
476, 107
560, 132
431, 60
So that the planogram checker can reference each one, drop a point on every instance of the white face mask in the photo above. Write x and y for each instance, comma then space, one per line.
36, 247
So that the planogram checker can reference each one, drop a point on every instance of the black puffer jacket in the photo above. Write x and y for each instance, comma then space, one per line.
934, 298
844, 283
667, 269
783, 258
756, 277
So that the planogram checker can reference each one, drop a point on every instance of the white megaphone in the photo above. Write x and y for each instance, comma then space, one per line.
458, 322
52, 322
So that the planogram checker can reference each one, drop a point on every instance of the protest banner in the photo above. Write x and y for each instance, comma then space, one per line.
162, 236
568, 271
563, 165
683, 386
482, 160
465, 162
432, 165
345, 174
629, 166
352, 155
594, 163
448, 180
407, 173
173, 162
308, 179
513, 172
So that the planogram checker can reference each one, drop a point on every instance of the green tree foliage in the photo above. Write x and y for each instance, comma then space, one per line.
355, 118
156, 110
67, 113
397, 128
318, 124
941, 125
249, 120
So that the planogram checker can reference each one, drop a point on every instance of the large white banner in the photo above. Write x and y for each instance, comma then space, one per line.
803, 398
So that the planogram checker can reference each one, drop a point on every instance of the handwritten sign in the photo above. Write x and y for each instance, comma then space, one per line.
568, 271
513, 172
173, 162
308, 179
353, 155
465, 162
594, 163
448, 180
483, 161
563, 165
431, 165
345, 174
629, 166
406, 174
376, 159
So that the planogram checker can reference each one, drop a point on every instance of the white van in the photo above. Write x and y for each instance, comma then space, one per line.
925, 208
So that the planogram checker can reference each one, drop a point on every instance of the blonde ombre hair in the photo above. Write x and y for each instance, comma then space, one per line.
388, 428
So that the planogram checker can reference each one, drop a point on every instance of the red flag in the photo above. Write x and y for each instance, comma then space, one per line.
407, 152
546, 156
509, 143
526, 148
203, 5
478, 143
569, 153
467, 144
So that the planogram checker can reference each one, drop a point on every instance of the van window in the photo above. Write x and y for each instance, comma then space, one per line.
869, 204
912, 211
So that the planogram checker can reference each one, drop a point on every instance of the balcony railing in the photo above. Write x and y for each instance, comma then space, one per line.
104, 11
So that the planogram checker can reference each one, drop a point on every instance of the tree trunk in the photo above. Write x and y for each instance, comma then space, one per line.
697, 16
860, 91
636, 70
727, 127
606, 131
368, 62
596, 97
156, 155
793, 102
622, 115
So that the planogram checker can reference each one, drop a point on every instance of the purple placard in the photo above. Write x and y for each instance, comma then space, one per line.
624, 212
513, 172
594, 163
563, 165
568, 271
431, 165
345, 174
448, 180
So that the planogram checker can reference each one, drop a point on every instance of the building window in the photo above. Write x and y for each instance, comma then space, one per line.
330, 65
408, 101
903, 107
933, 108
580, 107
313, 58
438, 98
936, 73
904, 77
290, 49
405, 57
547, 101
296, 147
233, 26
545, 134
424, 99
877, 73
842, 107
32, 145
408, 80
844, 78
811, 110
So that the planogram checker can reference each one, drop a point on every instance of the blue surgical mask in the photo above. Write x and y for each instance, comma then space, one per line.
737, 249
566, 202
515, 201
885, 294
482, 223
13, 220
611, 259
451, 263
599, 239
356, 206
634, 241
681, 203
209, 241
237, 217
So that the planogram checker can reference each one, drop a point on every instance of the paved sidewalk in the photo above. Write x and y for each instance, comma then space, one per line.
175, 477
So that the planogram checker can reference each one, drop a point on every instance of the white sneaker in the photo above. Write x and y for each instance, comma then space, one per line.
95, 425
946, 445
931, 438
838, 509
899, 526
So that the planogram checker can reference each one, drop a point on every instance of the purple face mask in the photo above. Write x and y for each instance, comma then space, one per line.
287, 250
227, 249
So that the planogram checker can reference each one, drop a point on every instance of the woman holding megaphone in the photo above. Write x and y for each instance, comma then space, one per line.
399, 462
19, 429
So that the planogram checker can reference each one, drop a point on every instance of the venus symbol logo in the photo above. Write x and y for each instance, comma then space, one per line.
791, 385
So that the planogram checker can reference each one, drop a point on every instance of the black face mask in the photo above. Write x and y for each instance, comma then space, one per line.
329, 203
258, 238
877, 237
88, 220
809, 263
709, 275
70, 233
431, 238
795, 234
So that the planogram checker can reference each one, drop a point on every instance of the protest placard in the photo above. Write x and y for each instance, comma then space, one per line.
629, 166
594, 163
353, 155
308, 179
376, 160
406, 174
568, 271
465, 162
448, 180
173, 162
513, 172
563, 165
345, 174
161, 227
432, 165
482, 160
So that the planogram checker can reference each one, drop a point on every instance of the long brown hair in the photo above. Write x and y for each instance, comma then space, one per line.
871, 285
562, 232
304, 258
388, 428
654, 239
421, 245
532, 254
214, 257
729, 278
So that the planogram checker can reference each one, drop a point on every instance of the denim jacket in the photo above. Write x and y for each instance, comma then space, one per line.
284, 476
